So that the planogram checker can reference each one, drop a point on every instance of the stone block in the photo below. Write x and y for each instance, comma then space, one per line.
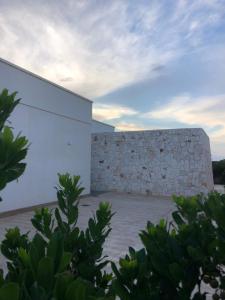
159, 162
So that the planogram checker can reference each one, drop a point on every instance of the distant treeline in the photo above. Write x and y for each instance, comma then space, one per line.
219, 171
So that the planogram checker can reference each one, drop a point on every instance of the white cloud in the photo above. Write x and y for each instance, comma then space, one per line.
205, 112
94, 48
104, 112
125, 126
98, 52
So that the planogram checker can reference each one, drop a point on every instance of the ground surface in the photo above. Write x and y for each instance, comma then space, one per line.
132, 214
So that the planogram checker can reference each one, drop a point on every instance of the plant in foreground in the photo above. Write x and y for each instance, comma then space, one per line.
181, 258
61, 261
12, 149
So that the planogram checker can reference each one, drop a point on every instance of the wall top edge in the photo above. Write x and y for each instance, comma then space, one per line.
43, 79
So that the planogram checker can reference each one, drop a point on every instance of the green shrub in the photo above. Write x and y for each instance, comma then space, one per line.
12, 149
61, 261
178, 259
219, 171
85, 246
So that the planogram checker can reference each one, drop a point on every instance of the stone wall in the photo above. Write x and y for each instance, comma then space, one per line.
157, 162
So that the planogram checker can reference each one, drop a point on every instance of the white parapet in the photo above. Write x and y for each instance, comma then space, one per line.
98, 127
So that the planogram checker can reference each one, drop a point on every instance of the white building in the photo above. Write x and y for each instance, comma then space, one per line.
58, 124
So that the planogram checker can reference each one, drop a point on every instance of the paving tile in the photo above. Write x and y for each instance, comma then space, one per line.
131, 215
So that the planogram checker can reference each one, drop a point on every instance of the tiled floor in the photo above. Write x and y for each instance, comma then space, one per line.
131, 215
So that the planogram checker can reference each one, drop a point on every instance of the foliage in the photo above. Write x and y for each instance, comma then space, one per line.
7, 105
12, 149
61, 261
40, 269
219, 171
179, 260
86, 247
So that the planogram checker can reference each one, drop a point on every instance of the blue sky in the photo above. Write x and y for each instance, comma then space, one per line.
146, 64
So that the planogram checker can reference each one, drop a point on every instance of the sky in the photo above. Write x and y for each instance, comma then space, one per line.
147, 64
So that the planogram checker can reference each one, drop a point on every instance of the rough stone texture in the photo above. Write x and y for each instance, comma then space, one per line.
158, 162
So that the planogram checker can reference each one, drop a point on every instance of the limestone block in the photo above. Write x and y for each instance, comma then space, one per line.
158, 162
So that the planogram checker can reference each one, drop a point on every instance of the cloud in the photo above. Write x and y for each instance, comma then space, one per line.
206, 112
125, 126
104, 112
102, 46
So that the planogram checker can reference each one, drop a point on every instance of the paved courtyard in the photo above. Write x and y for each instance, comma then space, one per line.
132, 214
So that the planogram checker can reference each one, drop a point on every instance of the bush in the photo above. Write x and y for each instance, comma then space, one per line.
181, 258
85, 247
219, 171
12, 149
61, 261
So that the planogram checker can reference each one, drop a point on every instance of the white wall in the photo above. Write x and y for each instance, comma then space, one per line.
101, 127
58, 126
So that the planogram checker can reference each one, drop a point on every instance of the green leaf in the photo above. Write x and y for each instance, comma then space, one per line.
25, 258
72, 214
120, 290
62, 283
12, 150
176, 271
55, 249
37, 251
45, 273
76, 291
66, 259
177, 218
37, 293
9, 291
